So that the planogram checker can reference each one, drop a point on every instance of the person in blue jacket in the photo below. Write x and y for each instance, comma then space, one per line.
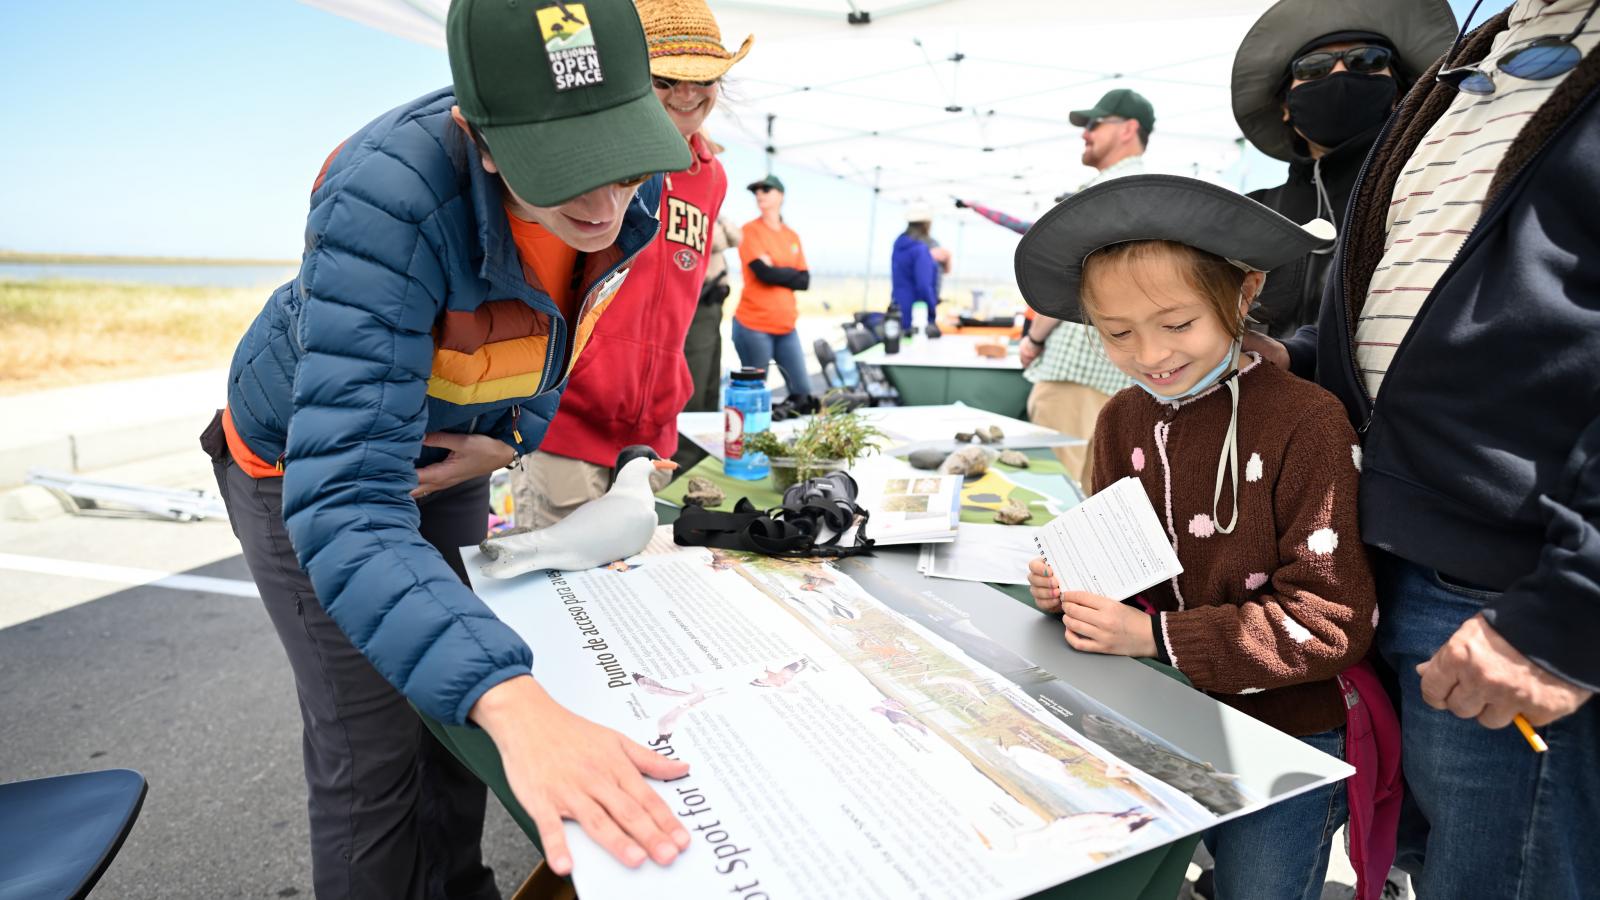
1460, 328
913, 270
459, 249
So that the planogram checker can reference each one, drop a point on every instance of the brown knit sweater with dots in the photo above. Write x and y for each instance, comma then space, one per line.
1264, 617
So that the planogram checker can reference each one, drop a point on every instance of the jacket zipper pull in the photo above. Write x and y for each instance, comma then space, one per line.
515, 434
281, 461
1371, 411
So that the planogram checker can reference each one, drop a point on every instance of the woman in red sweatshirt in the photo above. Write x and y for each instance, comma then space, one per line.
632, 381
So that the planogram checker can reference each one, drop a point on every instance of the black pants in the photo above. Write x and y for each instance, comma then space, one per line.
702, 347
393, 813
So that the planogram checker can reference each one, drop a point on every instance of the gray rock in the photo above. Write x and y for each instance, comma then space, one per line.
968, 461
1013, 513
1014, 458
926, 458
703, 492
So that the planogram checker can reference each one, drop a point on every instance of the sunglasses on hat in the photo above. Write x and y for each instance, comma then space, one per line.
667, 84
1365, 60
1539, 59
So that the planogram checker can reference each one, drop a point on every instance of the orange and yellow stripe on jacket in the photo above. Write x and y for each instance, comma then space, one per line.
495, 352
499, 351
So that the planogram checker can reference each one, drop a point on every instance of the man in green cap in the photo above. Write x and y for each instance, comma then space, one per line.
458, 251
1072, 379
1115, 132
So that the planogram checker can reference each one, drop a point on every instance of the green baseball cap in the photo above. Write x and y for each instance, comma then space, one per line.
561, 94
1122, 103
770, 181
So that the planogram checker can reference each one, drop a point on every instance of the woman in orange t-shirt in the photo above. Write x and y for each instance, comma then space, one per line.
774, 268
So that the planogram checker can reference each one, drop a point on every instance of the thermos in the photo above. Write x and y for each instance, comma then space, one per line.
891, 330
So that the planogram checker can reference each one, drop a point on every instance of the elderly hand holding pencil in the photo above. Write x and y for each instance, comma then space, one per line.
1477, 674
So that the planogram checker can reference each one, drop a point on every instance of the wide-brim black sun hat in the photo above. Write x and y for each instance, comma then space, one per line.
1419, 31
1202, 215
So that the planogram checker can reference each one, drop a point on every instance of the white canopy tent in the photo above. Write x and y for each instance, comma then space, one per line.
920, 101
928, 99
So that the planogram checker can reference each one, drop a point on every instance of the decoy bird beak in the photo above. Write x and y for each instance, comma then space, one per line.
663, 465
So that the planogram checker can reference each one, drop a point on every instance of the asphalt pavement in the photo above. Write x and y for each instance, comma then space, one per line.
192, 690
189, 687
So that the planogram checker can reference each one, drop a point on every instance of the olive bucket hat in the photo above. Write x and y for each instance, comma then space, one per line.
1418, 31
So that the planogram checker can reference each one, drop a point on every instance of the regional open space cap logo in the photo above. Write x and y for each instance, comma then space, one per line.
569, 44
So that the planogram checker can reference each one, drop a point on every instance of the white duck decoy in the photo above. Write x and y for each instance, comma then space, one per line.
614, 526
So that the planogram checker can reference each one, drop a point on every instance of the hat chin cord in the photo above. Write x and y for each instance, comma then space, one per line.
1228, 460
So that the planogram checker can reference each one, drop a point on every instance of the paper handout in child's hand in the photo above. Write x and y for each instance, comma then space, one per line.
1111, 544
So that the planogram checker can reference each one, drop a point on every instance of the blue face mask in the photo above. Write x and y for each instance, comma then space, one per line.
1203, 384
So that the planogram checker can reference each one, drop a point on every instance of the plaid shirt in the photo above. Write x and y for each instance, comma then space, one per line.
1072, 352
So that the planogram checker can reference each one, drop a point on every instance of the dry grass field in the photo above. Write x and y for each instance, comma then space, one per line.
59, 332
54, 333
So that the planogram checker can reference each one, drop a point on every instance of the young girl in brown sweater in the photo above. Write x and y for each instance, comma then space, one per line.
1252, 471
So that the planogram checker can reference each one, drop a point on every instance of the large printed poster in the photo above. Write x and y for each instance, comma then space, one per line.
850, 744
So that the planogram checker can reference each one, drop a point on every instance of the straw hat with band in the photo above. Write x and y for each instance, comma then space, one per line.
1049, 260
685, 42
1418, 31
561, 95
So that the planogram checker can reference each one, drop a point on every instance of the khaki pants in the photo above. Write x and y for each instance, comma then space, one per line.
1070, 408
546, 488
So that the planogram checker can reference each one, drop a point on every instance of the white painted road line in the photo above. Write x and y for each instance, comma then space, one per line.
127, 575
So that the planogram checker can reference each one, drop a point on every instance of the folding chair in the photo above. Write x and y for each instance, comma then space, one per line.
839, 372
871, 379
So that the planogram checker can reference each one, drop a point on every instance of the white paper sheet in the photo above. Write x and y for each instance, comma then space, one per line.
998, 554
1111, 544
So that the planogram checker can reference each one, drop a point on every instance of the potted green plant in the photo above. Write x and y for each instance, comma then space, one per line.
834, 439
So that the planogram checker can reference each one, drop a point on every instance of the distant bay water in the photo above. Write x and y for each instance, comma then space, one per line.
188, 275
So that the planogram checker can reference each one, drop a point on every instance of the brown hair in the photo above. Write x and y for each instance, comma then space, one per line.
1207, 274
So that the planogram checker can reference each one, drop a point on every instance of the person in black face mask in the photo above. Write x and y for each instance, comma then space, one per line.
1313, 83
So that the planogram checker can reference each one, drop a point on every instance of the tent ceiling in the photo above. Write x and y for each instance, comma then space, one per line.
952, 97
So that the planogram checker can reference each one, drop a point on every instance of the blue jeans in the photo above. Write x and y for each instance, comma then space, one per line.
1485, 815
1281, 852
757, 348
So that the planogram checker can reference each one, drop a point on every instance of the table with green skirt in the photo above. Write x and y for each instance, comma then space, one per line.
1153, 875
932, 372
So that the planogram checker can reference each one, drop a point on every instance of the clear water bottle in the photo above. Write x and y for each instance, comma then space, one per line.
748, 413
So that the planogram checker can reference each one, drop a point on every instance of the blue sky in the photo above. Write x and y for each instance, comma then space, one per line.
194, 128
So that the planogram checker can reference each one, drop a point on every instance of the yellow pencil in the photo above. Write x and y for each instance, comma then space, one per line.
1534, 741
